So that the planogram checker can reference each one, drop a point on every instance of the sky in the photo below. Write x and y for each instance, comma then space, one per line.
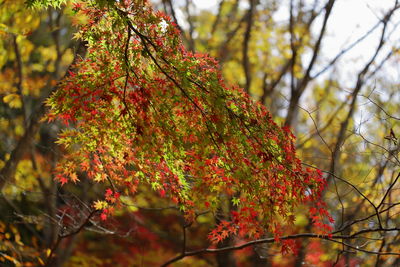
350, 19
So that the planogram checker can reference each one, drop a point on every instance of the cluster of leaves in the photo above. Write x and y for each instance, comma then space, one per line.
141, 109
14, 250
45, 3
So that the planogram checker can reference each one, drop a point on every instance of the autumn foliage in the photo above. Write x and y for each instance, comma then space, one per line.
141, 110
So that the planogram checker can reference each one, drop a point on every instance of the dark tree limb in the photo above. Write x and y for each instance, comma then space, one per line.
23, 146
333, 238
191, 43
302, 84
246, 43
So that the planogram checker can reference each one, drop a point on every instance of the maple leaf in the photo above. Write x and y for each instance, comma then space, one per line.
99, 204
85, 165
74, 177
162, 193
62, 179
109, 192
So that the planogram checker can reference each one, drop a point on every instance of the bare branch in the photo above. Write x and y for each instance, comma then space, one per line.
334, 238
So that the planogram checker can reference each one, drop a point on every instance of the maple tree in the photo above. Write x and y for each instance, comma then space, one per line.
147, 122
177, 127
340, 115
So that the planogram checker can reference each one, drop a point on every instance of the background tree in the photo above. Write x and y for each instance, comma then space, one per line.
269, 57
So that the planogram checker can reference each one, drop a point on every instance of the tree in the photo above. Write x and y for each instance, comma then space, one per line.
151, 126
304, 87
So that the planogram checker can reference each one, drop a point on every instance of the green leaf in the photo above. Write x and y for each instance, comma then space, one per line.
44, 3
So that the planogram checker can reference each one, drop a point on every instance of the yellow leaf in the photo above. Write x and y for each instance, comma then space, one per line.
13, 100
74, 177
10, 258
99, 177
17, 239
99, 205
301, 220
40, 261
19, 130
